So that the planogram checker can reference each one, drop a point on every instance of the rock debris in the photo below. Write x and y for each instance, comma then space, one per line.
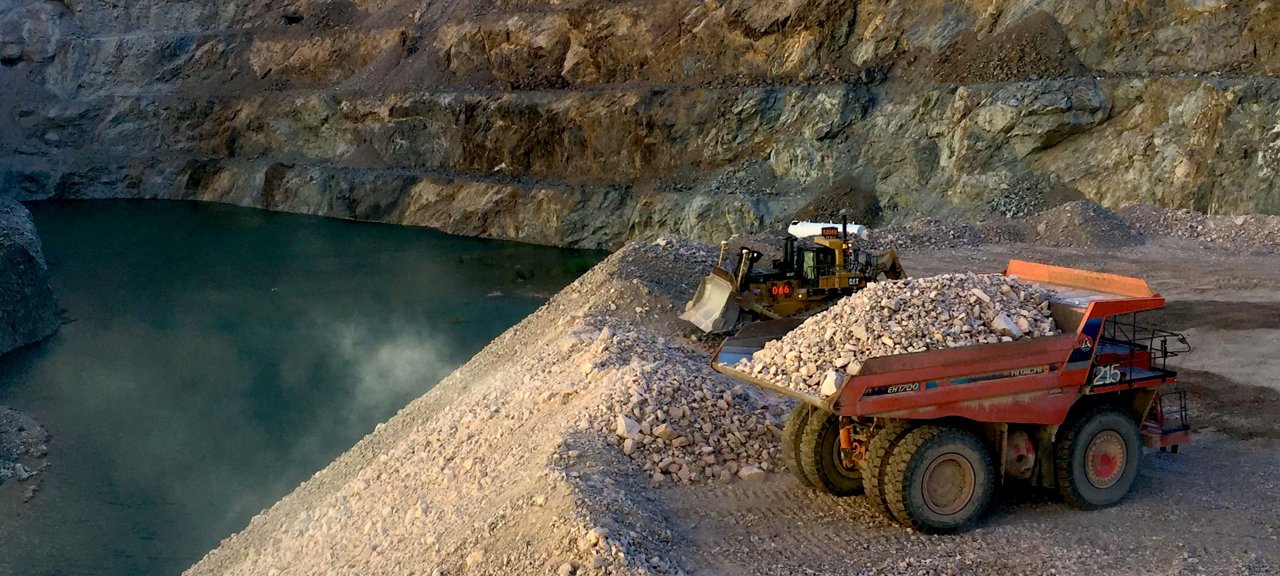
533, 459
900, 317
681, 423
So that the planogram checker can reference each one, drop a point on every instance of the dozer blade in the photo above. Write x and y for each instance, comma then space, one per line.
714, 309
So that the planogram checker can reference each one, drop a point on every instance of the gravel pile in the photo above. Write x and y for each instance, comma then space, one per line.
514, 464
1255, 232
23, 450
680, 422
1083, 224
900, 317
924, 234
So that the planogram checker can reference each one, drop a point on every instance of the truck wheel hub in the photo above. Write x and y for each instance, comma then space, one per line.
1105, 459
948, 484
846, 462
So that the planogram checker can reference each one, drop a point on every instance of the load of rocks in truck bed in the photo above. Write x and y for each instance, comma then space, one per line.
897, 317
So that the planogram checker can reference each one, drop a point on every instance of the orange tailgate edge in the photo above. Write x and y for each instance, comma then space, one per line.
1085, 279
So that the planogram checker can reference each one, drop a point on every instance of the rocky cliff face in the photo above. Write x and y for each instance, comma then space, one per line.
587, 122
28, 310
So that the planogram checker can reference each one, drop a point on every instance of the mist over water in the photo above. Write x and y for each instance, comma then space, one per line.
217, 357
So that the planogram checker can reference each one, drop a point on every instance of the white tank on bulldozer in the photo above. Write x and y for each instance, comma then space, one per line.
804, 229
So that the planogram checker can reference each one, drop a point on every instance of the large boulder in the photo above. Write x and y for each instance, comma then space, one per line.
28, 310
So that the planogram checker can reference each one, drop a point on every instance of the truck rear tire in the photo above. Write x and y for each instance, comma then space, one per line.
873, 467
821, 458
939, 479
1096, 458
791, 438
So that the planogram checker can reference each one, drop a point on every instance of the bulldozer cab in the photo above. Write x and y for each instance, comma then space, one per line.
815, 263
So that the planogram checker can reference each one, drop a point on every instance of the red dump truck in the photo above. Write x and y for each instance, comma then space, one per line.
928, 436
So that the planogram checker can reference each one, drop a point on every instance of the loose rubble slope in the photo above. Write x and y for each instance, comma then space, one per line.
530, 458
1080, 224
516, 465
899, 317
1253, 233
1083, 224
23, 451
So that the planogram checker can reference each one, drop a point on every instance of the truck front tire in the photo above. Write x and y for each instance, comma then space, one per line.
1096, 458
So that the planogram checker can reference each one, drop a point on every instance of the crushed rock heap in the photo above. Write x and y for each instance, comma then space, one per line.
24, 448
513, 464
681, 422
899, 317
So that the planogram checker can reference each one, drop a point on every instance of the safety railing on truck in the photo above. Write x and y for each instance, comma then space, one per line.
1133, 353
1130, 353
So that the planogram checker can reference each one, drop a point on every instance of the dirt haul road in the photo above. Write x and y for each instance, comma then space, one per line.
522, 462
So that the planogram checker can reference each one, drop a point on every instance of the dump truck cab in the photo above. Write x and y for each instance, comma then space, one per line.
929, 435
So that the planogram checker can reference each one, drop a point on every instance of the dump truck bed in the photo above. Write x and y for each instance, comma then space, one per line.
980, 364
1031, 381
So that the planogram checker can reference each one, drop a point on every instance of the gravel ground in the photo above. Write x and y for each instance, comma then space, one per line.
1184, 517
1252, 233
24, 452
515, 464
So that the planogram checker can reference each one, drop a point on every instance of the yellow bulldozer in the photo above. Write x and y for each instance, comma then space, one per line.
819, 265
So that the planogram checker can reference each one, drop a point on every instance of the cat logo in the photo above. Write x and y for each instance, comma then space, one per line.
900, 388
